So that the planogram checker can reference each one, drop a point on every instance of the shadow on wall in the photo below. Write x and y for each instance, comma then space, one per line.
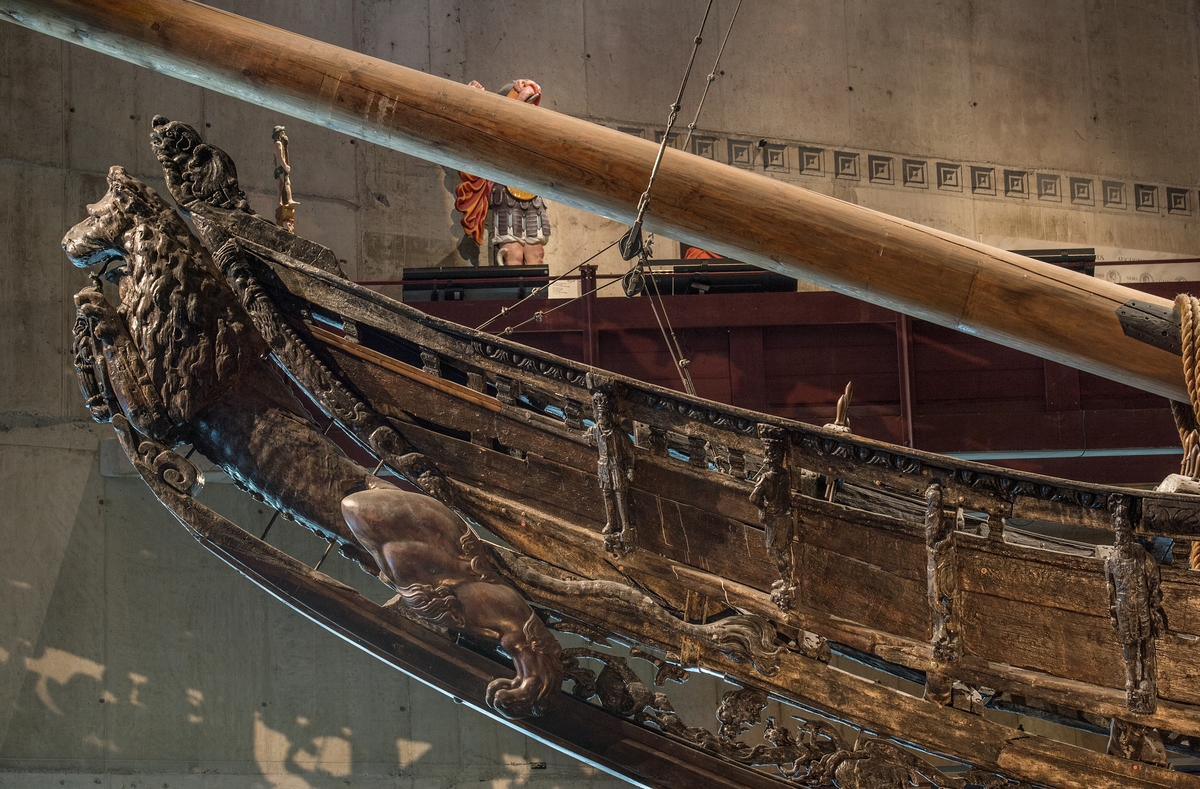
155, 657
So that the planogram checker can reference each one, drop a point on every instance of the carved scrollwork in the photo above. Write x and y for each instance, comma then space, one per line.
743, 638
292, 352
709, 416
161, 462
531, 364
195, 170
92, 372
1169, 518
847, 450
810, 754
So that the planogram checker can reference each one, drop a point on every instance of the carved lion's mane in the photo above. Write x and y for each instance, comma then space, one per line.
189, 327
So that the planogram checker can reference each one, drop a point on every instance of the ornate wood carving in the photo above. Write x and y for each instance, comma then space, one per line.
1135, 609
184, 360
615, 466
808, 753
430, 362
742, 638
1136, 742
772, 496
651, 438
942, 573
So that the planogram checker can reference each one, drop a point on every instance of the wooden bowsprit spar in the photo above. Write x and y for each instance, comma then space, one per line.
935, 276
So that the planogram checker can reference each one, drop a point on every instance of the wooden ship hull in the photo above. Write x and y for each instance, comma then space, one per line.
510, 426
732, 524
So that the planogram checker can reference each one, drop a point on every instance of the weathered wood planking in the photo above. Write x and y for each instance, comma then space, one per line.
514, 427
973, 486
878, 583
563, 544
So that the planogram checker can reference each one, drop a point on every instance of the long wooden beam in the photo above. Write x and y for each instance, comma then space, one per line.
936, 276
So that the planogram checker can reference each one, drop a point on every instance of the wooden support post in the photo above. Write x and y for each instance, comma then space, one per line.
1136, 742
587, 288
904, 363
944, 597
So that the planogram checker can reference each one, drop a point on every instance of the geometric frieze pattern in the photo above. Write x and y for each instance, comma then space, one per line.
1082, 191
1179, 201
983, 180
790, 159
775, 159
845, 165
1016, 183
1145, 197
914, 174
1114, 194
880, 169
705, 147
1048, 187
949, 176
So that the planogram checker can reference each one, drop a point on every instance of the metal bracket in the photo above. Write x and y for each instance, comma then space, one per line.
1152, 324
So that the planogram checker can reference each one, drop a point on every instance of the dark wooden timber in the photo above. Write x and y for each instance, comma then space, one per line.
953, 281
573, 726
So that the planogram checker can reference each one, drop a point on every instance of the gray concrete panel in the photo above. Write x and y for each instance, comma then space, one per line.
33, 297
31, 93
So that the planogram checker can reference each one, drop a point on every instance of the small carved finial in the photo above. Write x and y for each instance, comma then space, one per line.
841, 419
285, 212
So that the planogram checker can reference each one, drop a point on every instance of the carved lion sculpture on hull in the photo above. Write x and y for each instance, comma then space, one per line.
181, 358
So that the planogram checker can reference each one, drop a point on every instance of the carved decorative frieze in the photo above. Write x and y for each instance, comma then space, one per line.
743, 638
916, 169
529, 363
808, 753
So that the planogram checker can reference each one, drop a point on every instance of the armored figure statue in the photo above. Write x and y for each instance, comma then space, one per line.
1135, 609
517, 220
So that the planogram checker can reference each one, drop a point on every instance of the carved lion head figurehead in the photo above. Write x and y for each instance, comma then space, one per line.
188, 325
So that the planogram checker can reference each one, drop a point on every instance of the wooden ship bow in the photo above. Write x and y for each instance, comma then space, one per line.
701, 536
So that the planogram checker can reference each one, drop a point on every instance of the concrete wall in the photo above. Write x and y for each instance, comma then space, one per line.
129, 656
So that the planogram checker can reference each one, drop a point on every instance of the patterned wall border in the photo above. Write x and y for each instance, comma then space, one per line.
801, 162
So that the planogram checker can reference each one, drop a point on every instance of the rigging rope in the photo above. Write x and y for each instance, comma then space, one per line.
540, 314
1187, 415
505, 310
712, 76
631, 244
631, 247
